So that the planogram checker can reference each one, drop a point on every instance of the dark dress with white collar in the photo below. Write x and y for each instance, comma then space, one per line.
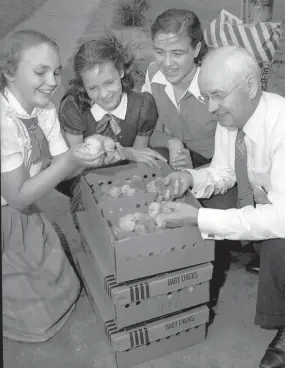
140, 120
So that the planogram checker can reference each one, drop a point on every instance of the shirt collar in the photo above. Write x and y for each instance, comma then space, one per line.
193, 88
120, 111
18, 108
253, 125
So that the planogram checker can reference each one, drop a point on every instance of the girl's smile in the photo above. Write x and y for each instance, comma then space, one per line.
37, 76
103, 85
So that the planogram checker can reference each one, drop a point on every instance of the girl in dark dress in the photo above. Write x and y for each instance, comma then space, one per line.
101, 101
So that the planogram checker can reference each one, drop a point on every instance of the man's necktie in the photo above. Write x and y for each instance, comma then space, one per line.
108, 126
245, 192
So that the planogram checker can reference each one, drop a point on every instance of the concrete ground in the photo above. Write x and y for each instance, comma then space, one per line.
233, 341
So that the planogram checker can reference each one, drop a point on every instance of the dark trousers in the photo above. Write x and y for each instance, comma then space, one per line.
270, 306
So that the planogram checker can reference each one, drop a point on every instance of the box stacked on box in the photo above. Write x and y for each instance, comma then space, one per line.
147, 290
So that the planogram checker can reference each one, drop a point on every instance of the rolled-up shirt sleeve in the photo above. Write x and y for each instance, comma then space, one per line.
220, 175
265, 221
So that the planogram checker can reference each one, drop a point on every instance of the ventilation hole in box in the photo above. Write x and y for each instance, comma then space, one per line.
127, 305
179, 290
184, 246
168, 337
173, 249
178, 333
170, 293
157, 340
138, 303
194, 244
109, 182
148, 343
101, 183
151, 254
138, 205
145, 176
153, 175
146, 204
128, 350
188, 329
196, 327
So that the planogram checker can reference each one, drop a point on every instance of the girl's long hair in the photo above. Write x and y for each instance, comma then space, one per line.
11, 54
97, 52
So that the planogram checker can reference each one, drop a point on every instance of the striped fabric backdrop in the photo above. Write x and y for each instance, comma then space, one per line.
261, 39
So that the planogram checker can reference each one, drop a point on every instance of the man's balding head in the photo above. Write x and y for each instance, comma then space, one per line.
232, 61
230, 77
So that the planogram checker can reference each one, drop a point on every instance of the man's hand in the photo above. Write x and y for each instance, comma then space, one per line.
175, 185
180, 214
182, 160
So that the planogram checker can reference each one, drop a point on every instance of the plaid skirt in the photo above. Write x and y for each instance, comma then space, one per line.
76, 204
39, 285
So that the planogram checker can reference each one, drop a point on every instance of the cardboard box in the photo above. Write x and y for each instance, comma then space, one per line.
99, 179
145, 341
144, 256
144, 299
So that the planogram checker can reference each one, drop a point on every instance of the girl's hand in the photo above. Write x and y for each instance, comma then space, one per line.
145, 155
182, 160
82, 157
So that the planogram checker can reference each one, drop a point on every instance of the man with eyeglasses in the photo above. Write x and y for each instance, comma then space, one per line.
249, 151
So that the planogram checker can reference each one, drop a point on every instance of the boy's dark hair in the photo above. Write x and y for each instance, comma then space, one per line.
96, 52
182, 22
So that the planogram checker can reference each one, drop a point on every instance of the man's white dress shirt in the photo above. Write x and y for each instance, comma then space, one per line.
265, 143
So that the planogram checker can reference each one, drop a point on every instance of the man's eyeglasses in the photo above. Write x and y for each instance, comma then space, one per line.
218, 97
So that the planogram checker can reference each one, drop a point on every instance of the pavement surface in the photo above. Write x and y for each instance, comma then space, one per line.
233, 341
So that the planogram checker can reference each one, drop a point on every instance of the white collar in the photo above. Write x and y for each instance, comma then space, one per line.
18, 108
193, 88
120, 111
254, 123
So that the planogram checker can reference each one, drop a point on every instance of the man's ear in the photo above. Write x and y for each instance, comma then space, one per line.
253, 86
197, 49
